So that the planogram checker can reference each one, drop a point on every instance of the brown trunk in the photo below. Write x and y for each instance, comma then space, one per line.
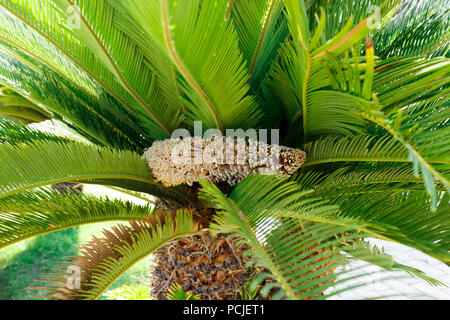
213, 268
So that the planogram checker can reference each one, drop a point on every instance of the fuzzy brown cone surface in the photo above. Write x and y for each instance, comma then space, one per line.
218, 159
213, 268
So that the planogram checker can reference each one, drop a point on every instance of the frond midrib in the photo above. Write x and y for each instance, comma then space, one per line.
169, 43
79, 177
261, 38
364, 159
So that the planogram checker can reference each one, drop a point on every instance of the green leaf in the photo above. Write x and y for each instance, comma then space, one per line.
104, 260
298, 23
69, 104
131, 67
390, 198
361, 148
410, 80
176, 292
420, 28
205, 50
261, 28
305, 75
125, 292
13, 133
80, 48
338, 12
425, 150
38, 212
370, 63
364, 251
296, 238
329, 112
15, 107
47, 162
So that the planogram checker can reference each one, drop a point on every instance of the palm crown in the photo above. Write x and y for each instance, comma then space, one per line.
361, 86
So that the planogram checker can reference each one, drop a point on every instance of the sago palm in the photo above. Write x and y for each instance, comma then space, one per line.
359, 91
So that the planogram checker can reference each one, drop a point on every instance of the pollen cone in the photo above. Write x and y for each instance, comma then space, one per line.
218, 159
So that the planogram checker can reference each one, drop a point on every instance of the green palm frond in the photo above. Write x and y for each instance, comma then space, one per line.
248, 292
261, 28
390, 198
205, 49
301, 248
163, 72
32, 213
176, 292
23, 58
418, 28
429, 157
361, 180
359, 148
372, 254
391, 213
307, 70
338, 11
400, 83
103, 260
68, 37
127, 61
418, 228
311, 82
368, 104
98, 100
36, 46
26, 167
12, 133
125, 292
68, 104
34, 50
